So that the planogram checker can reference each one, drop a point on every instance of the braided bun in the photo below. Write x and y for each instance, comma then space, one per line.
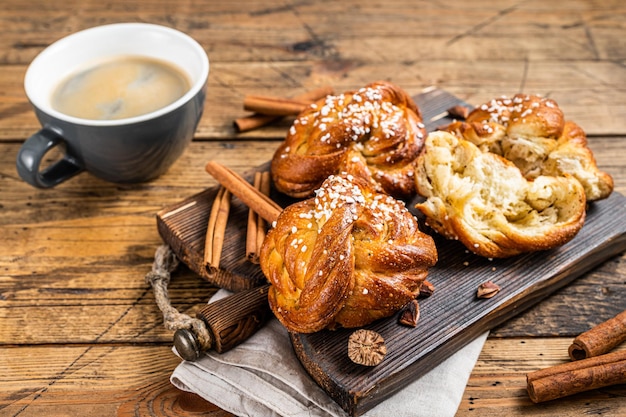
532, 132
484, 201
344, 258
374, 133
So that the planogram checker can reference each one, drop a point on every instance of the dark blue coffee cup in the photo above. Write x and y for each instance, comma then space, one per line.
126, 150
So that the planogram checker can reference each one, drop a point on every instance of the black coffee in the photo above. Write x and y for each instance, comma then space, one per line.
119, 88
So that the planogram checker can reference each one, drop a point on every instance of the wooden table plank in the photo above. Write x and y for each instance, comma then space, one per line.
570, 85
275, 31
80, 334
138, 386
566, 52
497, 387
119, 378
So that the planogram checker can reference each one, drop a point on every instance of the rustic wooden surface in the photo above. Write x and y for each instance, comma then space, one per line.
80, 333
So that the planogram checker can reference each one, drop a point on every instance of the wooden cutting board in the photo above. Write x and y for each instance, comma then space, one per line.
183, 225
449, 319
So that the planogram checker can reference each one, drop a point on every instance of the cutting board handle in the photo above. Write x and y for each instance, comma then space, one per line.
230, 321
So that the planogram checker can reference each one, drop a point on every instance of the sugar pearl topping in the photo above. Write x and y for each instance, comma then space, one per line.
362, 111
375, 131
505, 110
339, 190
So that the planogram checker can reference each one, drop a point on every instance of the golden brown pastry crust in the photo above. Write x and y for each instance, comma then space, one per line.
346, 257
484, 201
532, 132
374, 133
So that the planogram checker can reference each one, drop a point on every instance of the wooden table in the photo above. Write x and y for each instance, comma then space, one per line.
80, 333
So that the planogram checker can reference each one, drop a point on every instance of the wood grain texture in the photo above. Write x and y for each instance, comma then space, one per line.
79, 331
122, 380
224, 100
498, 385
566, 51
118, 386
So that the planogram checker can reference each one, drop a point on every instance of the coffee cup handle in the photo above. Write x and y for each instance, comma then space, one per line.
31, 154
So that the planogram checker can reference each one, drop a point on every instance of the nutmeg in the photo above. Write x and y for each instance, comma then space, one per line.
366, 347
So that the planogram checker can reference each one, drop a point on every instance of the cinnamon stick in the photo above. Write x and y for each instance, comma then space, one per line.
257, 120
578, 376
252, 223
242, 189
216, 228
600, 339
274, 106
256, 225
261, 227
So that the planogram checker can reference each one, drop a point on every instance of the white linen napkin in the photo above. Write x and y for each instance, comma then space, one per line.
263, 377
